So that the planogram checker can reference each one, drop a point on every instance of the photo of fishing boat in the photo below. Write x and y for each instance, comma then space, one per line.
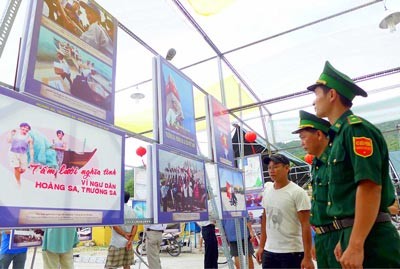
77, 159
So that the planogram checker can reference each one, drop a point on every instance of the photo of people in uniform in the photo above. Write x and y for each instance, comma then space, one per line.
182, 184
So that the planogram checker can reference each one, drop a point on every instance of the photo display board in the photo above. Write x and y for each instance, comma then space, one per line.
253, 178
232, 190
23, 238
176, 108
179, 186
56, 166
68, 56
218, 118
84, 233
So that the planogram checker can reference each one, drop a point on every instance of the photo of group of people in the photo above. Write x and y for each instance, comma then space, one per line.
70, 70
181, 184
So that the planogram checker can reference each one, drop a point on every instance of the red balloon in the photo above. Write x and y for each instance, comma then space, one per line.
308, 158
250, 137
140, 151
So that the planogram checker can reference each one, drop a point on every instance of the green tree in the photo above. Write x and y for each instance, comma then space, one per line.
129, 180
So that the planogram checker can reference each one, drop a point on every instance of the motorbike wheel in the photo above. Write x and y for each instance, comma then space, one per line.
141, 248
174, 248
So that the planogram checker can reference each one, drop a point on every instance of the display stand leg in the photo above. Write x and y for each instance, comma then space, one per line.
33, 257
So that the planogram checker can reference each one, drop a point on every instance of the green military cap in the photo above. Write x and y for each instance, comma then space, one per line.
335, 79
308, 120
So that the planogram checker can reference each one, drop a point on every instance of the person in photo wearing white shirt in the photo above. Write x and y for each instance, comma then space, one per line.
96, 36
65, 71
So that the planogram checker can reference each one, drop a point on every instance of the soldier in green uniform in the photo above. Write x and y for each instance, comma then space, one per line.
313, 133
359, 188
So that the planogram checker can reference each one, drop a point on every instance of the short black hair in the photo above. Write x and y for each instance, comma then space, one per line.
127, 196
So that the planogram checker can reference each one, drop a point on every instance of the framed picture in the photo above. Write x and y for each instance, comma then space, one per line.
220, 128
179, 186
232, 190
63, 174
68, 56
23, 238
176, 108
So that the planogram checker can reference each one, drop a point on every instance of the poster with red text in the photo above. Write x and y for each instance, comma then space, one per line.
57, 168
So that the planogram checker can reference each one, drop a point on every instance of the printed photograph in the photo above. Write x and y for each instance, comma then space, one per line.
232, 189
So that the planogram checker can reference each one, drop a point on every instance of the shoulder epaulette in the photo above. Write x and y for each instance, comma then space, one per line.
353, 119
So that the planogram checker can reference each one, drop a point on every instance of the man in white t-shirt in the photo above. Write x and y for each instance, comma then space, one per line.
120, 251
285, 228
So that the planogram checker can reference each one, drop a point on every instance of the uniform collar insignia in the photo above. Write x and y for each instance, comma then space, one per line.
339, 122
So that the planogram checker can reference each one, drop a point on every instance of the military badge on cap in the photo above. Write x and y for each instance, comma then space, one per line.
335, 79
308, 120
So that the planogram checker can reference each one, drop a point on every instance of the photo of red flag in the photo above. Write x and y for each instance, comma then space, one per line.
228, 190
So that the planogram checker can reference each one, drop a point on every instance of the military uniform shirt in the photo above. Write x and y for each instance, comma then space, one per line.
319, 199
358, 152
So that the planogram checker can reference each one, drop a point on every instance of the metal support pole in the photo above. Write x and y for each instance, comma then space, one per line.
7, 22
33, 257
215, 216
221, 82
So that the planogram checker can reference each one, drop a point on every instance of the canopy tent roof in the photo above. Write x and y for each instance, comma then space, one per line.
269, 51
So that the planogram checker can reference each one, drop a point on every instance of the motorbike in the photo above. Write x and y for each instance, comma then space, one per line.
169, 243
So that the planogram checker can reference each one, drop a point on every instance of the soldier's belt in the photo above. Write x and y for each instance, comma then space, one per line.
347, 222
324, 228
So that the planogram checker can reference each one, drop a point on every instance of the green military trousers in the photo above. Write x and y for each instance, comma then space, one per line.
381, 248
324, 246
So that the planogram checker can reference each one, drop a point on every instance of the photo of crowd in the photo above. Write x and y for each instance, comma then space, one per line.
182, 184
